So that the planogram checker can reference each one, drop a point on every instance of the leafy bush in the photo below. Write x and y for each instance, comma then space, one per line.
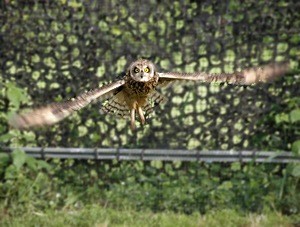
182, 187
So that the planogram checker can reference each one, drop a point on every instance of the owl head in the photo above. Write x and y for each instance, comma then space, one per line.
142, 70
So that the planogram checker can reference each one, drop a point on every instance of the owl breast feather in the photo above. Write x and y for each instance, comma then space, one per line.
132, 95
140, 88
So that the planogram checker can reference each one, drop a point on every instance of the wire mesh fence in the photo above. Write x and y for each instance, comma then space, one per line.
57, 49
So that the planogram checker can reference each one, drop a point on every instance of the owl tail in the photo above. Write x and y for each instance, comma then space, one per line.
144, 111
117, 106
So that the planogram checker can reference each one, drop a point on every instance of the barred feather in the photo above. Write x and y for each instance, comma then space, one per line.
116, 105
153, 101
55, 112
245, 77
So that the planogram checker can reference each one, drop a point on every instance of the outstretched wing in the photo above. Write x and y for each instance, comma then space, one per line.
55, 112
246, 77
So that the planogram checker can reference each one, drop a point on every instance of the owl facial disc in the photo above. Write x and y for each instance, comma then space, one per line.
142, 70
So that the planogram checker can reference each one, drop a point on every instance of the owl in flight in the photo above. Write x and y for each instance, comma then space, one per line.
135, 93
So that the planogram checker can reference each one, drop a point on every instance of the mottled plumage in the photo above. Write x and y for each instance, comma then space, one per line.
135, 93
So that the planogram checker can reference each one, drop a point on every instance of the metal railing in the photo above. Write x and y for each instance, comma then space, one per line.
158, 154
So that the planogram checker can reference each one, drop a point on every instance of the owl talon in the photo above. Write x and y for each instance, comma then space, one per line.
132, 126
132, 122
141, 115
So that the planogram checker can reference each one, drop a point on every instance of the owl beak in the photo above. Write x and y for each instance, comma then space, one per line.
143, 78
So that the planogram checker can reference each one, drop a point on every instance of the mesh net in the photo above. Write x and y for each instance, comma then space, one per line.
57, 49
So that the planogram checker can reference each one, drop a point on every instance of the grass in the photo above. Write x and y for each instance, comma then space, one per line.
95, 215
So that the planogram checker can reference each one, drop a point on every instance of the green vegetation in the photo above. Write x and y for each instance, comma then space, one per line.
75, 45
92, 215
120, 191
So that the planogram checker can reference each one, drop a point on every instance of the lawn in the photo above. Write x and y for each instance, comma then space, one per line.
94, 215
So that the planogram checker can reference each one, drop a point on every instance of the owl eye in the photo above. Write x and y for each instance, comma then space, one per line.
136, 70
146, 70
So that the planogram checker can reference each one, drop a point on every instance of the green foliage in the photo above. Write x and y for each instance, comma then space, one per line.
281, 126
29, 184
61, 55
15, 95
23, 181
296, 147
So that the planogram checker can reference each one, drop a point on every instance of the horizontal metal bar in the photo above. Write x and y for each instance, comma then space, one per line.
158, 154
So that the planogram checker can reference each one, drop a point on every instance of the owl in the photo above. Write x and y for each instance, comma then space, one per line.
135, 94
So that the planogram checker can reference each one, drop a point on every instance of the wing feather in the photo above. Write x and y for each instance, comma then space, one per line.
116, 105
153, 101
246, 77
55, 112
